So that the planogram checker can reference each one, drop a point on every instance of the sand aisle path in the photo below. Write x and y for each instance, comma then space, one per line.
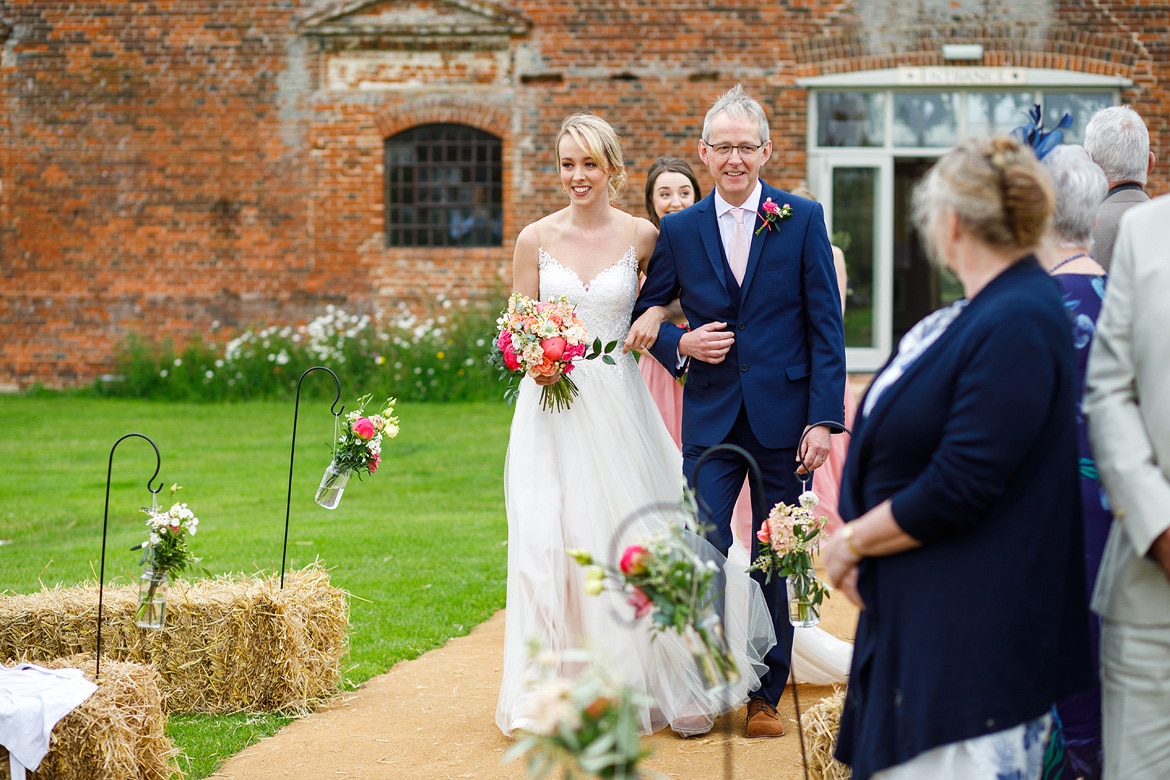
434, 718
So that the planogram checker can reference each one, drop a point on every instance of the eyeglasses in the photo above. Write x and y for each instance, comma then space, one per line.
725, 150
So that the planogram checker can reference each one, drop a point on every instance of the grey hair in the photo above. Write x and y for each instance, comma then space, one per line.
1117, 140
1080, 186
738, 104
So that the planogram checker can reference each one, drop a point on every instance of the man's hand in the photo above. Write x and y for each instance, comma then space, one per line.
708, 343
1160, 552
814, 449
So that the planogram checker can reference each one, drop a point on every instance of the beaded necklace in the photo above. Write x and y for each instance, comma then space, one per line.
1068, 259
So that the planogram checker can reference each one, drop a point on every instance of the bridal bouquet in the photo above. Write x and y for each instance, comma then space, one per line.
357, 447
543, 338
587, 723
664, 577
788, 538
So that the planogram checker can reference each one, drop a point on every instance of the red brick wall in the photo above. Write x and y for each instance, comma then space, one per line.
167, 166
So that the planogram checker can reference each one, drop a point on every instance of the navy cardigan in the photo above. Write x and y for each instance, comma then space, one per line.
986, 625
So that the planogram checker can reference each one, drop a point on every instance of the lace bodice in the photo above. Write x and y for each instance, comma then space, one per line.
604, 303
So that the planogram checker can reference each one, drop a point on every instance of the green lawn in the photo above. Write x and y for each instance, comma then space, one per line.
421, 545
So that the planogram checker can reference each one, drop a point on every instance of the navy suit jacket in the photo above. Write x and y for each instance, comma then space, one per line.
986, 625
787, 366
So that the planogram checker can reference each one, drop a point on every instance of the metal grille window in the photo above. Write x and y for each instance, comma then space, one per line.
444, 187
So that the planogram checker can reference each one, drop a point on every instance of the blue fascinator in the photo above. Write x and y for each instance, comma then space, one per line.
1032, 132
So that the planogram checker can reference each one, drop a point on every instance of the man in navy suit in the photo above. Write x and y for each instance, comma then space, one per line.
765, 354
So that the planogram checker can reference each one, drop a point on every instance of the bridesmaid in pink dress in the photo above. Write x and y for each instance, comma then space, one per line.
671, 186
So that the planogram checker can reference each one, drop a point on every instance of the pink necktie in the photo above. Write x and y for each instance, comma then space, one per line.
740, 247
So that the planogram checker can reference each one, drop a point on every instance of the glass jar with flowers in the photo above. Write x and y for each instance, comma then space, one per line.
664, 577
357, 448
788, 539
165, 551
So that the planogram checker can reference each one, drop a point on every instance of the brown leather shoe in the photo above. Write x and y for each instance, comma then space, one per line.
763, 720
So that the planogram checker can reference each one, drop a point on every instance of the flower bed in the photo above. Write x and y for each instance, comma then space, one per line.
116, 732
230, 644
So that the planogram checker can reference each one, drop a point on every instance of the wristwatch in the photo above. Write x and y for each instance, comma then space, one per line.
847, 535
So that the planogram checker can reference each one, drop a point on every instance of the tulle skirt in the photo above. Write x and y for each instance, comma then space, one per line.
600, 476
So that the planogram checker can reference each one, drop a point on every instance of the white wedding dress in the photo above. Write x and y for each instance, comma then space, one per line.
585, 478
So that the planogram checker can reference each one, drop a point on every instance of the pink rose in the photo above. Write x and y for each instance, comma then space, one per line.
363, 428
640, 602
374, 463
771, 207
764, 534
574, 351
553, 346
634, 560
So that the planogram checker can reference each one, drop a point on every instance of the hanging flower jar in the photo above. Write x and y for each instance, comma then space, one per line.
332, 485
357, 448
788, 538
804, 605
152, 599
164, 552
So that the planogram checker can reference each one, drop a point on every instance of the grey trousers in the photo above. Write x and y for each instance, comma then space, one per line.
1135, 677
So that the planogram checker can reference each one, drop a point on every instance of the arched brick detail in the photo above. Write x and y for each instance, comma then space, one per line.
1106, 54
443, 111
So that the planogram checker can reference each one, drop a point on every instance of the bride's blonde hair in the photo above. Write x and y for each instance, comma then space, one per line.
600, 141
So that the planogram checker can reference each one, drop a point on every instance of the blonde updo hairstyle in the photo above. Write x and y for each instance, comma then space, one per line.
600, 141
996, 187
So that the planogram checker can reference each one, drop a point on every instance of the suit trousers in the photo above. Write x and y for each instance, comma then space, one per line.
717, 487
1135, 669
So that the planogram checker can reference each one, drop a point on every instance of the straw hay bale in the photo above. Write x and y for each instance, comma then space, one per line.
231, 644
821, 723
115, 734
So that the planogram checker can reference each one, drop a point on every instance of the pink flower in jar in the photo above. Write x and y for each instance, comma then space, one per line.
640, 602
634, 559
363, 428
765, 532
374, 462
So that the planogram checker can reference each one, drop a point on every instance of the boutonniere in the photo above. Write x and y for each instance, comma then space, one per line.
770, 212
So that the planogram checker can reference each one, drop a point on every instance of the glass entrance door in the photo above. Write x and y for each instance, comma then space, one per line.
856, 192
919, 287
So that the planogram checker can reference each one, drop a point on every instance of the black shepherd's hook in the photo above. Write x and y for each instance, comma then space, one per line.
292, 456
105, 524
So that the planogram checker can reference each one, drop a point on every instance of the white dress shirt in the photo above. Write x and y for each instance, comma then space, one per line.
727, 222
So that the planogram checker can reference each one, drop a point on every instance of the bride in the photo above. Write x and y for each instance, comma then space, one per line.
575, 478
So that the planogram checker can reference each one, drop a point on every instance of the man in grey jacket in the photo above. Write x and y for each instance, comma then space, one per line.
1117, 140
1128, 405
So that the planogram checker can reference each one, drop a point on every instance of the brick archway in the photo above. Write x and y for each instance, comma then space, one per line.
443, 111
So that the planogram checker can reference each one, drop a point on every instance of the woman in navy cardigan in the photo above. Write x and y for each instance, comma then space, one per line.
965, 545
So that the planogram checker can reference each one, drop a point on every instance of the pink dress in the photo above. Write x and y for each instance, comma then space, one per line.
666, 392
827, 479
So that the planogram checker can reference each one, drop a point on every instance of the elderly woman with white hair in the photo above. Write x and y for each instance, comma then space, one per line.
1080, 185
